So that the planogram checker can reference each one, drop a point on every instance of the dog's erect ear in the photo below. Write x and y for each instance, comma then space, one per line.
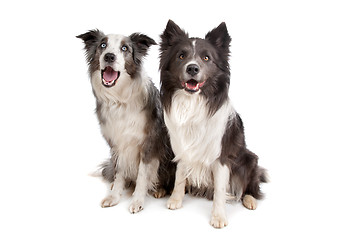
171, 34
141, 44
91, 40
219, 37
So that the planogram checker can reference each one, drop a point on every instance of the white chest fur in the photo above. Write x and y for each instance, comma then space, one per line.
124, 124
124, 127
195, 136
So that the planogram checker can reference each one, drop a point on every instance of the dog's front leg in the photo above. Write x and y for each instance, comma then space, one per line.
116, 189
175, 200
221, 180
146, 179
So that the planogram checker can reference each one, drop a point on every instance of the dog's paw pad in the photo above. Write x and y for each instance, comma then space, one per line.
249, 202
110, 201
136, 206
174, 203
160, 193
218, 221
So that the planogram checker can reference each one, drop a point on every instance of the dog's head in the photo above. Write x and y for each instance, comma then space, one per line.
115, 55
194, 62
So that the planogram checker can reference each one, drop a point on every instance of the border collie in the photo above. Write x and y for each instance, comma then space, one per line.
130, 115
206, 133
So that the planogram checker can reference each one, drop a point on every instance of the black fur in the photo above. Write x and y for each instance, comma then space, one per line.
92, 40
157, 144
216, 44
245, 174
140, 44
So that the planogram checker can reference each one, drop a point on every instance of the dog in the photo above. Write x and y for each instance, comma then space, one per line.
206, 133
129, 111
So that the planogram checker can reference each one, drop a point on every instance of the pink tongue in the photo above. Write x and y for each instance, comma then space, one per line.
192, 84
109, 74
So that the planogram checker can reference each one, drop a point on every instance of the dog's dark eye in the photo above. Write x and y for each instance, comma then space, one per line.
103, 45
206, 58
124, 48
181, 56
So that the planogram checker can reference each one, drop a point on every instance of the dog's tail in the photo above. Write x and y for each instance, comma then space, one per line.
253, 188
105, 170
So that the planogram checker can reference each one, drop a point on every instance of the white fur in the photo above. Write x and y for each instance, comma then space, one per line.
196, 137
196, 141
125, 120
221, 175
114, 46
122, 107
194, 44
145, 181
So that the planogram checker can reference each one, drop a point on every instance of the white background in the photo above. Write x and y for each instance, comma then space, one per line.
295, 82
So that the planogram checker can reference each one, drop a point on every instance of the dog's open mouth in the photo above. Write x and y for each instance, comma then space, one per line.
193, 85
109, 76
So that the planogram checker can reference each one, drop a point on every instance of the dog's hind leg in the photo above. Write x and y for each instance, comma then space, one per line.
146, 180
159, 193
249, 202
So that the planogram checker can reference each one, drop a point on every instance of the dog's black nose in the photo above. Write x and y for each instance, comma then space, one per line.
192, 69
109, 57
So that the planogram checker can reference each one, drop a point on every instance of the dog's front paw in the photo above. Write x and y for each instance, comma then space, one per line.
110, 201
174, 203
218, 221
136, 206
249, 202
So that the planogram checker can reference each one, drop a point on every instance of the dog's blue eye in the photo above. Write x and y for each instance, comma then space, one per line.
103, 45
181, 56
124, 48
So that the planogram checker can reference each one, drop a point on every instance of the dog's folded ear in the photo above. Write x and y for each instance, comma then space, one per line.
91, 40
141, 44
219, 37
91, 36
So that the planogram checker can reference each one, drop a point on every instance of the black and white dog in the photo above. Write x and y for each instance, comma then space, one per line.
206, 133
130, 114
